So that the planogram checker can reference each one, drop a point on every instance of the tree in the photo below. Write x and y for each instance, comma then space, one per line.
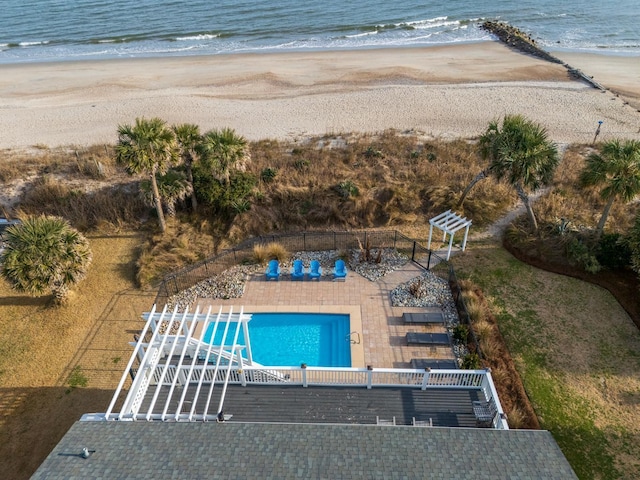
521, 153
188, 138
173, 186
633, 242
617, 170
223, 151
148, 147
45, 254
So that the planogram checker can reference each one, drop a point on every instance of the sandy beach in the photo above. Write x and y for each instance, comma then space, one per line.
444, 92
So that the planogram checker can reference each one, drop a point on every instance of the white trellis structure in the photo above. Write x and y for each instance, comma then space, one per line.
178, 359
449, 222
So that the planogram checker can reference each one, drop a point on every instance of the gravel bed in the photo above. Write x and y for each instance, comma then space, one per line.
430, 291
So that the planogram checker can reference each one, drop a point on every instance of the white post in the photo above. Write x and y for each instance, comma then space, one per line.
425, 378
247, 340
450, 244
430, 233
466, 234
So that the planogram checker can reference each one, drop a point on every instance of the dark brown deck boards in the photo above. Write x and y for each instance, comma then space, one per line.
294, 404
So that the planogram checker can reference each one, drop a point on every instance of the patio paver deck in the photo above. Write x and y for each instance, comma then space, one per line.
383, 331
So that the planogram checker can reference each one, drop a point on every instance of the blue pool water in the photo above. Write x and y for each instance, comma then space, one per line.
290, 339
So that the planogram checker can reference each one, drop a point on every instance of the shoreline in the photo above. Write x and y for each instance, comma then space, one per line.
448, 91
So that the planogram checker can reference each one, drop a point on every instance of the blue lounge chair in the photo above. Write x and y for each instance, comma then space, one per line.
315, 270
297, 270
339, 270
273, 270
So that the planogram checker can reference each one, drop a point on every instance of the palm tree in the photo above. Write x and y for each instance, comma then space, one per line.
617, 170
224, 151
148, 147
633, 242
45, 254
188, 138
173, 186
521, 153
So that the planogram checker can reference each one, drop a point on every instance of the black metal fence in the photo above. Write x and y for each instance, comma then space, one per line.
294, 242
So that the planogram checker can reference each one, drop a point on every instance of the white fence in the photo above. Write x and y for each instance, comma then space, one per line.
327, 376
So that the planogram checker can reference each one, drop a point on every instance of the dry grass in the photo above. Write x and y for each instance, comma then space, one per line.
581, 207
182, 244
41, 346
277, 251
400, 179
260, 254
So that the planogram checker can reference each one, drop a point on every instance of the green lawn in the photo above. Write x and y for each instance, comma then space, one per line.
578, 354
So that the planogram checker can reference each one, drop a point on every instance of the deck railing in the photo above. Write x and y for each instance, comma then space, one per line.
342, 377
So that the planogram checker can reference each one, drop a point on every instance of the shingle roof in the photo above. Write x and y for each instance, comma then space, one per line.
230, 450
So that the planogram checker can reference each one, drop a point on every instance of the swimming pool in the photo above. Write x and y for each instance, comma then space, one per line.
290, 339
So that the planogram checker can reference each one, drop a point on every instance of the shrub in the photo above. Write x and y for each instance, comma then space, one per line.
461, 333
371, 152
612, 252
414, 287
219, 195
580, 254
347, 189
268, 174
301, 164
471, 361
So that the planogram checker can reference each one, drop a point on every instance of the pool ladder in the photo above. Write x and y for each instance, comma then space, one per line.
349, 338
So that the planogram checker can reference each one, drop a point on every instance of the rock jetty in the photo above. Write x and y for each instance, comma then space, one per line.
518, 40
521, 41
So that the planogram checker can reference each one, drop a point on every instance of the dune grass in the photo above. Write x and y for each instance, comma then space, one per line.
578, 354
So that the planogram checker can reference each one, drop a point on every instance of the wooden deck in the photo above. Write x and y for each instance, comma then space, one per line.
341, 405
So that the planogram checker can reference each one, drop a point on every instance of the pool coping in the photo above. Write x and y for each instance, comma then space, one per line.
355, 321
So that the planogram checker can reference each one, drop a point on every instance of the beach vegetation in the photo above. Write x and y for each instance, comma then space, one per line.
221, 197
188, 138
45, 255
173, 186
107, 205
520, 152
223, 152
616, 170
148, 147
268, 174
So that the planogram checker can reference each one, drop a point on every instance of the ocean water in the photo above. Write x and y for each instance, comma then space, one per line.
60, 30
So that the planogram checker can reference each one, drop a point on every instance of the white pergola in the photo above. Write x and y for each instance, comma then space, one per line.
449, 222
178, 370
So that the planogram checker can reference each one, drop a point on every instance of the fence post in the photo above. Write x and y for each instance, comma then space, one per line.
304, 241
175, 286
243, 379
429, 261
304, 374
425, 378
369, 377
334, 241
